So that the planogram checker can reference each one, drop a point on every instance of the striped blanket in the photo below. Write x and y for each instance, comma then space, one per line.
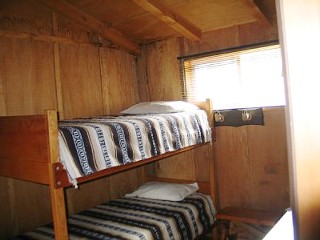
138, 218
89, 145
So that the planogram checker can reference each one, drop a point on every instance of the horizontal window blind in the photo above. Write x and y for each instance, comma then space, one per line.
239, 79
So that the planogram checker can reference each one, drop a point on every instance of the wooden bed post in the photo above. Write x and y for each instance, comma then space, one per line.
57, 194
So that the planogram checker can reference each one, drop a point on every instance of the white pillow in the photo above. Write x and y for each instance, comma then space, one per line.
160, 107
164, 191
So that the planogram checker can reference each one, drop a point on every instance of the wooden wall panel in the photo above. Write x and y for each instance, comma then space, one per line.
191, 165
252, 164
96, 192
233, 168
171, 167
162, 70
143, 86
123, 183
268, 159
119, 80
27, 76
87, 195
80, 80
16, 198
26, 201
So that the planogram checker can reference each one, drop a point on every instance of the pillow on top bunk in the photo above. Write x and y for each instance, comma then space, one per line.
160, 107
164, 191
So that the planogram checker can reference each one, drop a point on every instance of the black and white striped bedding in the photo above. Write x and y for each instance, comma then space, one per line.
90, 145
138, 218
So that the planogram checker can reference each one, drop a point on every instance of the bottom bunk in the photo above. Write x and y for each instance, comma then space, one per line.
180, 213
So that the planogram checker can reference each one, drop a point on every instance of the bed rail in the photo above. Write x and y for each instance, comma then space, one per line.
61, 180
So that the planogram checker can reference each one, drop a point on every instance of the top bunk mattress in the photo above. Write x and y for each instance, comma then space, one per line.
88, 145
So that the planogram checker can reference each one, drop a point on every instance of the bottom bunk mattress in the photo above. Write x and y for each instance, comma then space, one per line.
138, 218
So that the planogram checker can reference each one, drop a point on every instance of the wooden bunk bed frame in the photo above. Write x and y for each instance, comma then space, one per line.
29, 151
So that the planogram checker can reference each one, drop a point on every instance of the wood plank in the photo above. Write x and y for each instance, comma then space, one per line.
119, 80
57, 195
80, 81
93, 24
268, 151
27, 73
22, 195
142, 79
173, 20
233, 163
163, 71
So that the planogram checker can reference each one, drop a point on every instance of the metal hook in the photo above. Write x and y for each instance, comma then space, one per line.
246, 116
218, 117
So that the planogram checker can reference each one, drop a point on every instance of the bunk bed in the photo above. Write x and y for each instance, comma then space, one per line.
30, 150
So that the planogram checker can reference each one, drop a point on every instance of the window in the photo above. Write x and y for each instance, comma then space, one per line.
239, 79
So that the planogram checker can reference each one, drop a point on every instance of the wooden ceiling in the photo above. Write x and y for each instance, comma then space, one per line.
129, 23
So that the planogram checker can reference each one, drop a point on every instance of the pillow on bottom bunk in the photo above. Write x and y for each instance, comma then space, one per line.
164, 191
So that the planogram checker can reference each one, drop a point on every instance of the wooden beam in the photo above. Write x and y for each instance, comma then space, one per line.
92, 24
258, 14
43, 38
57, 195
174, 21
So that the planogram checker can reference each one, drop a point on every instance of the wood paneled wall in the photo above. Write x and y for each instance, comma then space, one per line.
47, 62
250, 162
158, 71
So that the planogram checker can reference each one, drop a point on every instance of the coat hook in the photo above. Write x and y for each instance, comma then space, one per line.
218, 117
246, 116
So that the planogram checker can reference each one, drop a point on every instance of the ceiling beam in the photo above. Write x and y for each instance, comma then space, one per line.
93, 24
174, 21
258, 14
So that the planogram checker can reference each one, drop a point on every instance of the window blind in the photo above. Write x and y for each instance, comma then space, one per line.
235, 79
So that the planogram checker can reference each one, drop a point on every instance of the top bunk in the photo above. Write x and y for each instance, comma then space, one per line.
41, 149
